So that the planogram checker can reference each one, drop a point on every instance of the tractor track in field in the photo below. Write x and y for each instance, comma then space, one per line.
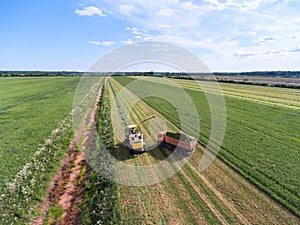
197, 190
66, 189
241, 218
244, 204
155, 201
218, 215
214, 211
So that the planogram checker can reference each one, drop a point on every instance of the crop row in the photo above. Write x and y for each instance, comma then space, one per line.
267, 95
194, 194
259, 142
146, 199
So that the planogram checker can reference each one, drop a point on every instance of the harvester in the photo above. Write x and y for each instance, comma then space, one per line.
134, 140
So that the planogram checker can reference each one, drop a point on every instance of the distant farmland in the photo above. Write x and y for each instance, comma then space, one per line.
261, 80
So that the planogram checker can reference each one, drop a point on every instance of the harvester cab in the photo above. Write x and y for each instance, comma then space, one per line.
134, 139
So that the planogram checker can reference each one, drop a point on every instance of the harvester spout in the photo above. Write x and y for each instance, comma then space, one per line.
139, 123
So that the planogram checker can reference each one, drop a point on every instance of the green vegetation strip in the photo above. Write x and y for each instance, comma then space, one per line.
101, 194
259, 142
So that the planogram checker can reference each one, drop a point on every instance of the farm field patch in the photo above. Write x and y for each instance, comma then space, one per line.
284, 97
30, 108
260, 141
217, 196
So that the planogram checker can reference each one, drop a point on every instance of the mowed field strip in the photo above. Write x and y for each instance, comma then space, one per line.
217, 196
261, 142
284, 97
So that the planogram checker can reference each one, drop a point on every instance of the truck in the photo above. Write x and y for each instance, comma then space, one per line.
134, 139
185, 143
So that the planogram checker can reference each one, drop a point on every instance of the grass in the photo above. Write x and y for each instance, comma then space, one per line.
43, 106
101, 204
53, 215
259, 142
30, 108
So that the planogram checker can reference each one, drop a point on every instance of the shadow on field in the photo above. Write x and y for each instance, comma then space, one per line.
159, 153
121, 152
162, 153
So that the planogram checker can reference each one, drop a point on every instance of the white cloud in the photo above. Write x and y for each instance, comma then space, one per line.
165, 12
252, 33
164, 25
222, 29
89, 11
138, 37
138, 34
95, 42
267, 39
127, 9
296, 35
127, 42
107, 43
104, 43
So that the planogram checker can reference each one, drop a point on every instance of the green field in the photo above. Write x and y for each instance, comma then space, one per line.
261, 145
30, 108
261, 141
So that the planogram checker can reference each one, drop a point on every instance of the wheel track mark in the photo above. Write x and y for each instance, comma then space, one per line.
231, 94
244, 97
206, 200
177, 184
129, 96
255, 205
220, 197
143, 189
238, 213
218, 215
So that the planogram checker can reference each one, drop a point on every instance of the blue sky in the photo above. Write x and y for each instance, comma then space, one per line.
227, 35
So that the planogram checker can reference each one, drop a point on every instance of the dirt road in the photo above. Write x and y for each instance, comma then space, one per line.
65, 194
